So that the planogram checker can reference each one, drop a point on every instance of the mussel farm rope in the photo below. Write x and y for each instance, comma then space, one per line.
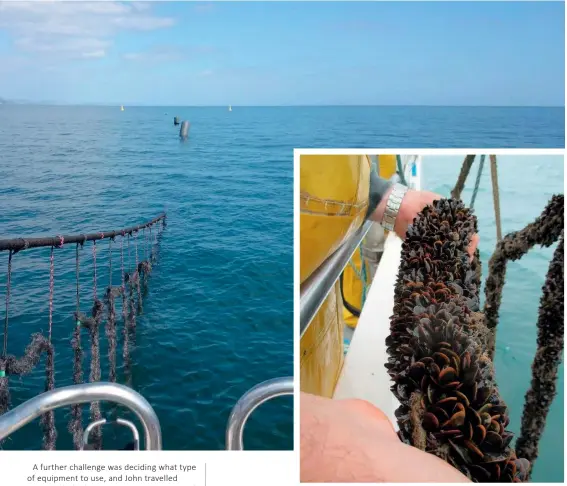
545, 230
450, 404
93, 325
48, 419
76, 421
8, 285
477, 183
465, 169
496, 196
10, 366
111, 320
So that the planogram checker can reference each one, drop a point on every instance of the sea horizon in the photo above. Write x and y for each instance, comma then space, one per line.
142, 105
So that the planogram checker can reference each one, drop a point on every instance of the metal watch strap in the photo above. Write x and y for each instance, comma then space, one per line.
393, 206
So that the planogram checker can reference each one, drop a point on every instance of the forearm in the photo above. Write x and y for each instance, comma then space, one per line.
412, 203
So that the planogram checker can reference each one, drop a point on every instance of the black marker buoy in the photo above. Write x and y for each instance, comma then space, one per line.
176, 120
184, 130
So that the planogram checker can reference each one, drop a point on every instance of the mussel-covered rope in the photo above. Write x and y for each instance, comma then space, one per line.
145, 244
93, 325
13, 366
48, 419
8, 288
465, 169
4, 391
76, 422
111, 319
10, 365
550, 344
544, 231
477, 182
132, 277
125, 307
450, 404
136, 280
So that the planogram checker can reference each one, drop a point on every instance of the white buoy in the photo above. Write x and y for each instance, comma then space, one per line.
184, 130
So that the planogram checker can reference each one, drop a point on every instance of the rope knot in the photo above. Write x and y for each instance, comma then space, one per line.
61, 241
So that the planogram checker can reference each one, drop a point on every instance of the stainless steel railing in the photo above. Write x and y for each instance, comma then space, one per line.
86, 393
315, 289
249, 402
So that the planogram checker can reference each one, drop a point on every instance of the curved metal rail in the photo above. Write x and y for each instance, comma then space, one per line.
249, 402
316, 288
119, 421
86, 393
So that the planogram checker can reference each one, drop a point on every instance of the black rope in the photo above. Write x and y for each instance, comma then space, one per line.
76, 422
17, 244
349, 307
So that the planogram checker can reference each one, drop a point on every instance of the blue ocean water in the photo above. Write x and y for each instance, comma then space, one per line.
218, 317
526, 184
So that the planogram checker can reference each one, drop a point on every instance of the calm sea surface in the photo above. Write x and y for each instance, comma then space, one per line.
526, 185
218, 315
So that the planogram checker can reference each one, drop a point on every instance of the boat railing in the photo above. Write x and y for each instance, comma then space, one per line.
249, 402
86, 393
316, 288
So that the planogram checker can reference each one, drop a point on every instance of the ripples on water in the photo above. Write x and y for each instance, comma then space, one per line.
526, 185
218, 316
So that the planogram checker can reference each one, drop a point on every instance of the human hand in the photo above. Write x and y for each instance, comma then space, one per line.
412, 203
353, 441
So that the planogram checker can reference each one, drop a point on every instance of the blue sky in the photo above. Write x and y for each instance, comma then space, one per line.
282, 53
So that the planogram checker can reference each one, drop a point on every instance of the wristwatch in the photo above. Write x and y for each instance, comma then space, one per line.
393, 206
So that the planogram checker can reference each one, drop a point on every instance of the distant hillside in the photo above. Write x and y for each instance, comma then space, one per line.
4, 101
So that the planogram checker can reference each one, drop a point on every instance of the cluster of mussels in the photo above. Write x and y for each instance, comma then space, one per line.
443, 378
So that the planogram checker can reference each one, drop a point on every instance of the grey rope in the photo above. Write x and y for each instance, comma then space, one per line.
465, 169
48, 419
477, 183
76, 423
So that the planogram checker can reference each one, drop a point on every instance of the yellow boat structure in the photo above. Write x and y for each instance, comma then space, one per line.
340, 251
